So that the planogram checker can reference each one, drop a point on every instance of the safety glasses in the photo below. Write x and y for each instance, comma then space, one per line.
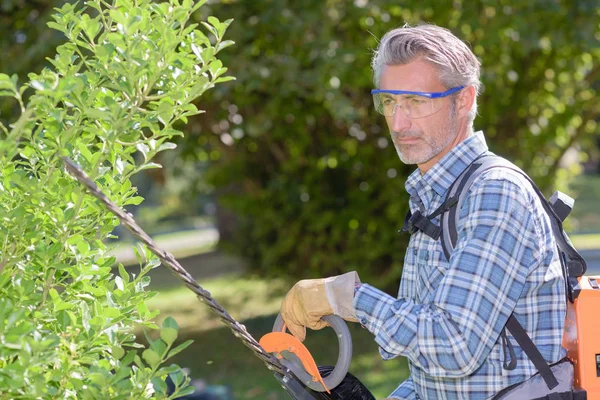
414, 105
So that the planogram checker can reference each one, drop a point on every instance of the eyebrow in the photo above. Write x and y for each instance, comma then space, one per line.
404, 96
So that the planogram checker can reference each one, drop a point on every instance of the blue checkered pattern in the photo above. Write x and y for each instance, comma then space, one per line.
448, 316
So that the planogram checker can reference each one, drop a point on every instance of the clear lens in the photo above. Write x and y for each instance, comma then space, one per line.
412, 106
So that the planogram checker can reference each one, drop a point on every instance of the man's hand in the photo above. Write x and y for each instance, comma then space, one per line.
311, 299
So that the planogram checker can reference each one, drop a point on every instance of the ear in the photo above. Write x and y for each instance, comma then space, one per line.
466, 100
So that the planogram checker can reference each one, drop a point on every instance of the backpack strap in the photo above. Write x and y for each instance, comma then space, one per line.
574, 265
419, 222
516, 329
459, 190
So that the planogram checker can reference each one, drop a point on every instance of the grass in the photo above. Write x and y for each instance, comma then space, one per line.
588, 241
219, 358
586, 211
181, 244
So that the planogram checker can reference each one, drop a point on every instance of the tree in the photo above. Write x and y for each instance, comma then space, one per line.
313, 180
303, 167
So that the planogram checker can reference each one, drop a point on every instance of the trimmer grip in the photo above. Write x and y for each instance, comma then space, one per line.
341, 366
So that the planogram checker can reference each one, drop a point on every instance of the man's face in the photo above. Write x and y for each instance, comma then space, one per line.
420, 141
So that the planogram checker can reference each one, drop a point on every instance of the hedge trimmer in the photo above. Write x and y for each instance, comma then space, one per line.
290, 361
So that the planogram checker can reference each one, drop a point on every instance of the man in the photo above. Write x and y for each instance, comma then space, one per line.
449, 316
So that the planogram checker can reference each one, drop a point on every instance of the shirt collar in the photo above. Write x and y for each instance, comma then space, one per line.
445, 171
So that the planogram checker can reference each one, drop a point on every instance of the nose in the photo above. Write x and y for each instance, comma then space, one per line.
399, 122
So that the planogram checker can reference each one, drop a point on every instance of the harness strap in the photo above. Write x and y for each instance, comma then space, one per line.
516, 329
419, 222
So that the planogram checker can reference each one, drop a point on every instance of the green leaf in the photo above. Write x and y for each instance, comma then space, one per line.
85, 316
167, 146
90, 26
64, 306
163, 371
83, 247
40, 85
112, 312
128, 359
151, 165
170, 322
117, 352
137, 360
159, 385
224, 79
97, 322
123, 273
185, 391
169, 335
180, 348
151, 357
224, 44
176, 376
84, 151
144, 149
97, 378
54, 295
142, 309
120, 165
136, 200
159, 346
73, 240
171, 132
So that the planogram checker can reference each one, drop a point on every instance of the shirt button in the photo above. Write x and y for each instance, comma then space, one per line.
426, 257
415, 252
363, 321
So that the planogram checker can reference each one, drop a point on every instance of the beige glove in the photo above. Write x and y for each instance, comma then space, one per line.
311, 299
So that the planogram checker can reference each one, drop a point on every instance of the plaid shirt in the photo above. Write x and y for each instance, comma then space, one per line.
448, 316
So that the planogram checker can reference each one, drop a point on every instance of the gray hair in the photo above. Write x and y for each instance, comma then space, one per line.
456, 63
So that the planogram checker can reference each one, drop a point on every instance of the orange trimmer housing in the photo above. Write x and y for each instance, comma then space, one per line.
278, 342
582, 336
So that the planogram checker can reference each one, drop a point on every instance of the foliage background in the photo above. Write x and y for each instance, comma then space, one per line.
306, 178
307, 165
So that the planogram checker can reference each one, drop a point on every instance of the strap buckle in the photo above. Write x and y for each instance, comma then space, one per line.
419, 222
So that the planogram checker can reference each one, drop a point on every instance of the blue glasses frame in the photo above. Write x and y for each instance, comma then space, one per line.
431, 95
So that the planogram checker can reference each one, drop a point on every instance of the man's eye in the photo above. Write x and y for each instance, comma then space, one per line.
416, 102
388, 101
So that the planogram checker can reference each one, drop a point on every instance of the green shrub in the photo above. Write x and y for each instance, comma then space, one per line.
128, 72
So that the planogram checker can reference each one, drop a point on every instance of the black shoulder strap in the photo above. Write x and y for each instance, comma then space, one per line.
574, 262
518, 332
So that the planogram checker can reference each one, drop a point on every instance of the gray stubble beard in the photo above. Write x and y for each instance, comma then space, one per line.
433, 149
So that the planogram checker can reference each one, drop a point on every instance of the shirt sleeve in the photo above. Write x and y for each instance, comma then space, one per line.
406, 391
451, 336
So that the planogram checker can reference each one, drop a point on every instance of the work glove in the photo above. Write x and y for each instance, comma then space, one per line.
310, 299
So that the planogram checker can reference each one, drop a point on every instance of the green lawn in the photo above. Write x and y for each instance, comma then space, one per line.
584, 222
220, 358
586, 241
586, 211
181, 244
